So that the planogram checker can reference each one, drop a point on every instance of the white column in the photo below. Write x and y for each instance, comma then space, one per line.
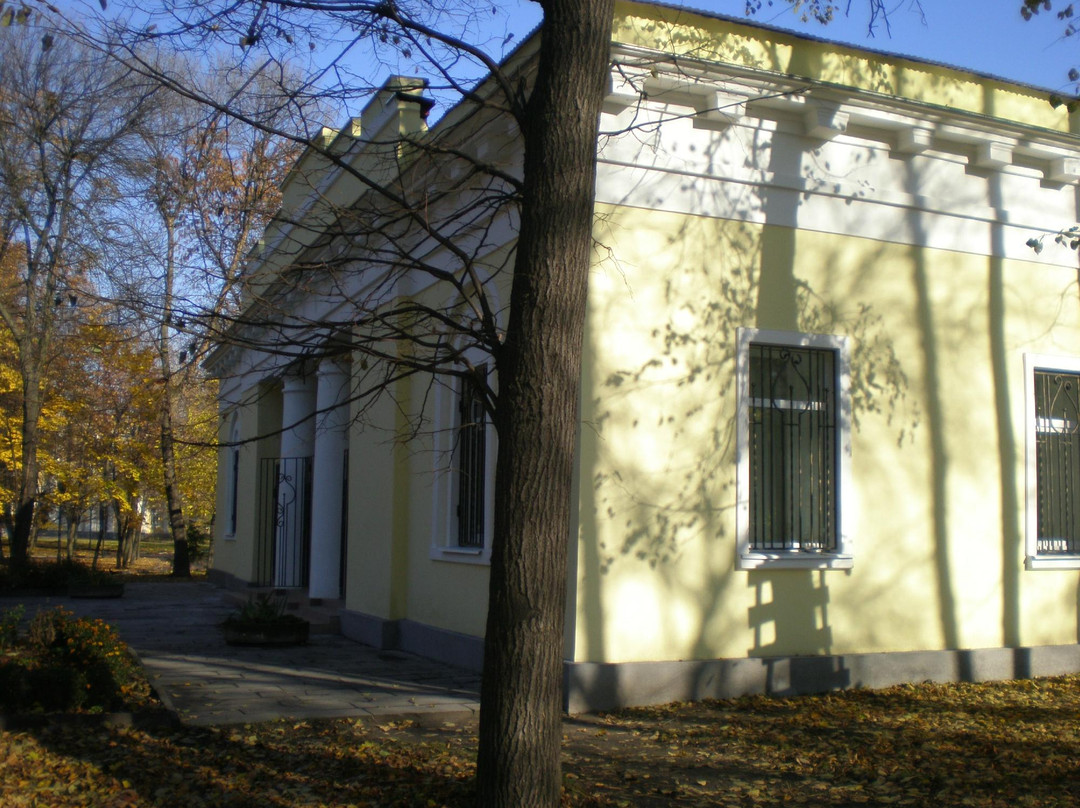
297, 445
331, 439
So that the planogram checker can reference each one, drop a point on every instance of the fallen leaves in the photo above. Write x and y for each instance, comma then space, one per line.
989, 746
986, 745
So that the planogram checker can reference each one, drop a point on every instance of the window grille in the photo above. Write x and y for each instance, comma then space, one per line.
471, 465
1057, 460
793, 449
234, 483
343, 563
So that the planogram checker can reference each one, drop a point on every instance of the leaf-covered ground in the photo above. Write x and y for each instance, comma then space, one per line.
1013, 744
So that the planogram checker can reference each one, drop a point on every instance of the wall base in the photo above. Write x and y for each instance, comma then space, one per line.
590, 686
226, 580
450, 647
593, 686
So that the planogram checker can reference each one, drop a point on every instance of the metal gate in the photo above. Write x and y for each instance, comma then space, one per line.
283, 530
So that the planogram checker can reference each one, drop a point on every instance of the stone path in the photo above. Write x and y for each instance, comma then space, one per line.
173, 627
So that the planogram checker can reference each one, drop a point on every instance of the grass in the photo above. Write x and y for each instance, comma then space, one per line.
986, 745
154, 562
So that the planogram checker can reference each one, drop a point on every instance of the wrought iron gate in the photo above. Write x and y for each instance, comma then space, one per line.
283, 531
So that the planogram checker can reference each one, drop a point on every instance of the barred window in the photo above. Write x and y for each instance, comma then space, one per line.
232, 479
1057, 461
794, 449
234, 484
471, 465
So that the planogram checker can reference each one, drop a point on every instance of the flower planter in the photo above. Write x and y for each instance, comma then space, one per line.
278, 634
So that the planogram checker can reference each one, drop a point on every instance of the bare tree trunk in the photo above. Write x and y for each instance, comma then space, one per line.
23, 531
539, 369
103, 524
40, 517
119, 561
125, 543
72, 533
123, 536
134, 544
177, 526
173, 501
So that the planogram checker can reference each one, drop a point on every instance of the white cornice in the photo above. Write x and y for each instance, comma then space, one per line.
826, 109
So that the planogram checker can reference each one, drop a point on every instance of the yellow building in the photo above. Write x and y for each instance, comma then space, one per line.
830, 424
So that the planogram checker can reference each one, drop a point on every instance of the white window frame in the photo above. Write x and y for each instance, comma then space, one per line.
1033, 560
444, 540
746, 557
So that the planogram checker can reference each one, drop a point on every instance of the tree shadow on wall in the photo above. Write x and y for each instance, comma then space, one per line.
660, 399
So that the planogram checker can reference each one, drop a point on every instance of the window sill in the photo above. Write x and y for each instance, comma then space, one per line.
794, 561
229, 537
1053, 562
461, 555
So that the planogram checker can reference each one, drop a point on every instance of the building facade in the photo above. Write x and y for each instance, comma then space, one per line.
829, 397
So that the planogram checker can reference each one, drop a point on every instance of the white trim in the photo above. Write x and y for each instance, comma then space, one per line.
843, 557
795, 561
477, 553
1032, 560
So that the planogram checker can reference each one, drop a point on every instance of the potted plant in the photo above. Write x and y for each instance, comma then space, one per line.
262, 621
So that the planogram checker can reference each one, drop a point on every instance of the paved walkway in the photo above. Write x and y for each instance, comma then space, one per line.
173, 629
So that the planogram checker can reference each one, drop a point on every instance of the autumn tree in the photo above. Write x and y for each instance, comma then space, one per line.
95, 449
67, 113
163, 187
98, 444
10, 401
128, 392
196, 425
205, 188
107, 142
73, 435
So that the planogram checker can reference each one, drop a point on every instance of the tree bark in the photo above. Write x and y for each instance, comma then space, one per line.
28, 483
181, 567
539, 370
128, 533
72, 534
103, 524
121, 536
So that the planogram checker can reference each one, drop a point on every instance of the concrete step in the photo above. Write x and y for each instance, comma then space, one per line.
324, 615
